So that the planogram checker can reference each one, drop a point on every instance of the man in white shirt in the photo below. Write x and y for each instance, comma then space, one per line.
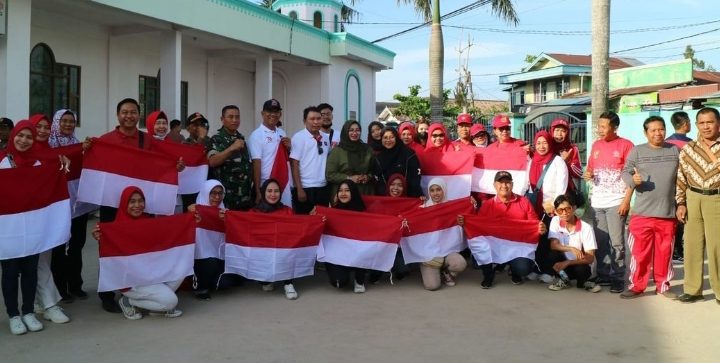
308, 156
326, 112
264, 142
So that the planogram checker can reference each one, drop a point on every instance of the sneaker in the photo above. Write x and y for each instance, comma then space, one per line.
111, 306
17, 327
31, 322
617, 287
532, 276
359, 288
592, 287
128, 310
268, 287
668, 294
174, 313
56, 315
66, 298
678, 259
486, 283
629, 294
546, 278
448, 278
290, 292
516, 279
603, 281
558, 284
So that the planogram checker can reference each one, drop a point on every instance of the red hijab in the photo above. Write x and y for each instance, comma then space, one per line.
566, 144
410, 127
152, 119
392, 179
40, 146
539, 161
122, 213
430, 146
21, 158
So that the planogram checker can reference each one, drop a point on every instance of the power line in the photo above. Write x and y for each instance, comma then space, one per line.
666, 41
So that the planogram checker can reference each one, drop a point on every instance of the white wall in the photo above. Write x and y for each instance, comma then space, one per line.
303, 90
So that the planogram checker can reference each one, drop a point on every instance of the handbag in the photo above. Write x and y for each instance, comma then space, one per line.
532, 196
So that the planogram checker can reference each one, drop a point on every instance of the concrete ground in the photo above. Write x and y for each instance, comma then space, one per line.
400, 323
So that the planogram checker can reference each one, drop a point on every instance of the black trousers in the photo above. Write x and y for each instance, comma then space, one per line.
581, 273
67, 261
107, 214
24, 268
339, 276
315, 196
207, 274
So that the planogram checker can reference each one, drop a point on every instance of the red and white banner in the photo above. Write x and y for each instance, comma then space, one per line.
109, 168
281, 172
434, 232
270, 246
209, 234
501, 240
75, 154
359, 239
34, 210
454, 167
488, 161
392, 206
146, 251
191, 179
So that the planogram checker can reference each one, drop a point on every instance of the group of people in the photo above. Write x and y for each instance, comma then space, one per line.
673, 181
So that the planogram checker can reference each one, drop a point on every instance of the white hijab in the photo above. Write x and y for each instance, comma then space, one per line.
203, 197
439, 182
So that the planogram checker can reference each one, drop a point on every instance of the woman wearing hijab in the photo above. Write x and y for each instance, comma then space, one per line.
351, 160
347, 197
374, 137
157, 298
270, 203
66, 264
20, 154
560, 132
480, 137
157, 125
421, 126
208, 270
407, 135
396, 158
445, 267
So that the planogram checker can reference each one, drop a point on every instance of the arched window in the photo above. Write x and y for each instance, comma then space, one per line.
293, 15
317, 19
353, 96
52, 85
336, 28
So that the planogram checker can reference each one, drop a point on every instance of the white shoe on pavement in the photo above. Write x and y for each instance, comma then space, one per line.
268, 287
31, 322
290, 292
546, 278
56, 315
17, 326
128, 310
359, 288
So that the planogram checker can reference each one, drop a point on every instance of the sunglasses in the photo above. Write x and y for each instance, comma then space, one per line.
563, 210
320, 149
435, 136
504, 128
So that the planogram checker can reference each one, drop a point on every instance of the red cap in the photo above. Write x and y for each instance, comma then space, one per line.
464, 118
477, 128
560, 122
500, 121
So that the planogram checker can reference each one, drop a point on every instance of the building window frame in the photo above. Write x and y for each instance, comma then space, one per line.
63, 81
318, 19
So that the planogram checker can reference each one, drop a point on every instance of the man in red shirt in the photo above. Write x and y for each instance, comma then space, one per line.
501, 129
464, 123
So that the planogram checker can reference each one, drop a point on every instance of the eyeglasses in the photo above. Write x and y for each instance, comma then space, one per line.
435, 136
219, 194
563, 210
319, 145
273, 114
325, 113
504, 129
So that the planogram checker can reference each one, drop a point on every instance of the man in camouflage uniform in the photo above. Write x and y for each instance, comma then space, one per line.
230, 160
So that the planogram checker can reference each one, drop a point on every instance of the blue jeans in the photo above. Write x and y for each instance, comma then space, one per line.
609, 229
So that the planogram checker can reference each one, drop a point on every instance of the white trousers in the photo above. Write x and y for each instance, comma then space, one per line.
47, 294
157, 297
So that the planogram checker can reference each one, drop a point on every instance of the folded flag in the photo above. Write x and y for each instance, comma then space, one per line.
454, 167
270, 246
110, 168
359, 239
488, 161
433, 231
281, 172
210, 233
75, 154
146, 251
392, 206
501, 240
34, 212
191, 179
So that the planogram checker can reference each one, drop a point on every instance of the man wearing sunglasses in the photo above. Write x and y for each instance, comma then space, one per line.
501, 129
308, 156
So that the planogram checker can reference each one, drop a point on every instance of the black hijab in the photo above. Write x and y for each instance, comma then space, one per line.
376, 145
389, 157
265, 206
356, 150
356, 202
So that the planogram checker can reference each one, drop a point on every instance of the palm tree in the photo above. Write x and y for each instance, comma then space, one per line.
600, 66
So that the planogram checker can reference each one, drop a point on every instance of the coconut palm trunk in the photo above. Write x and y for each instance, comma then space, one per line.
600, 58
437, 65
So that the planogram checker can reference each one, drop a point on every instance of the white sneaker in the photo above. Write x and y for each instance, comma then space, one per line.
558, 284
56, 315
17, 326
592, 287
546, 278
31, 322
174, 313
268, 287
128, 310
359, 288
290, 292
532, 276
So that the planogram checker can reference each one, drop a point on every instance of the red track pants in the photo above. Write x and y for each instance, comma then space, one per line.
651, 242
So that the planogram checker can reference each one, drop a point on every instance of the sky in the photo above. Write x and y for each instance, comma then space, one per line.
499, 48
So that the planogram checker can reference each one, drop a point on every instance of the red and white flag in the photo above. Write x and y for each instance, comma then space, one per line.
433, 231
109, 168
191, 179
271, 246
488, 161
392, 206
75, 154
359, 239
281, 172
210, 233
454, 167
34, 210
501, 240
146, 251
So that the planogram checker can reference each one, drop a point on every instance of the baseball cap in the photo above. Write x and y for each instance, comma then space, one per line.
477, 128
500, 121
464, 118
198, 118
560, 122
272, 105
502, 174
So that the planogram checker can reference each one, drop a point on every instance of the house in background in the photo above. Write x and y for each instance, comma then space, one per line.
183, 57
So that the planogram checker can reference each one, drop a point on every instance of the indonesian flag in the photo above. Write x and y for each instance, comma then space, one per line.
271, 246
489, 161
433, 231
146, 251
109, 168
34, 210
359, 239
281, 172
501, 240
455, 167
191, 179
392, 206
75, 154
209, 234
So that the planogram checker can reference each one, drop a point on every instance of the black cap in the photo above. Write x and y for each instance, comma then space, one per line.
500, 175
4, 121
199, 119
272, 105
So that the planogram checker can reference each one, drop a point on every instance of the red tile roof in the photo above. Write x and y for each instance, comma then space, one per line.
703, 77
585, 60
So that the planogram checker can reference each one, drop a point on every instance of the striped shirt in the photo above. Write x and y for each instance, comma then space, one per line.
697, 169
